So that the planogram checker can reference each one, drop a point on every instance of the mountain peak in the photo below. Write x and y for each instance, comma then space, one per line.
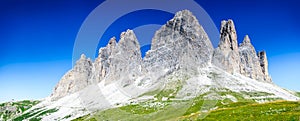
112, 42
128, 32
82, 56
228, 35
246, 39
179, 43
227, 26
246, 42
184, 13
182, 20
226, 56
129, 39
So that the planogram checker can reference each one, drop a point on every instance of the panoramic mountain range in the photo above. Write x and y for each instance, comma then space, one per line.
180, 67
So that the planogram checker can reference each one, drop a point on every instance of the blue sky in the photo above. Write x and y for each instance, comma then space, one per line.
37, 38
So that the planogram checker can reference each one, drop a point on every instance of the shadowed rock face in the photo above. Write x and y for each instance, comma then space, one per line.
264, 65
179, 45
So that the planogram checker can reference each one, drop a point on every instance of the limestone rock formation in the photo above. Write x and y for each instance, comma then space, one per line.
249, 65
182, 43
125, 61
74, 80
241, 59
226, 55
264, 65
102, 62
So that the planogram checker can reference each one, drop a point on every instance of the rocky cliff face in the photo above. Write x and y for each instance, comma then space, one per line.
102, 62
249, 65
74, 80
226, 55
125, 61
264, 65
241, 59
179, 45
116, 62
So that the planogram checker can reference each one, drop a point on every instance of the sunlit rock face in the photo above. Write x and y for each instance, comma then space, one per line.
180, 44
250, 65
75, 79
241, 59
226, 55
125, 60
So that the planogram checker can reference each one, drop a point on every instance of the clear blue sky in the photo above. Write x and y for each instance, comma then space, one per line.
37, 38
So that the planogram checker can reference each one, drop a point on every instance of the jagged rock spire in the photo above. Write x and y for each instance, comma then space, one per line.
226, 55
246, 44
101, 65
112, 43
181, 43
246, 39
129, 43
125, 60
74, 80
264, 65
253, 65
249, 65
228, 36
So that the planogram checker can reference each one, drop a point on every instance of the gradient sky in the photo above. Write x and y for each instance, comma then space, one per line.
37, 38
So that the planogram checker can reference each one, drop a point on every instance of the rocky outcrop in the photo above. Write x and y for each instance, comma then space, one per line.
241, 59
249, 65
116, 62
264, 65
125, 61
226, 55
74, 80
180, 44
102, 63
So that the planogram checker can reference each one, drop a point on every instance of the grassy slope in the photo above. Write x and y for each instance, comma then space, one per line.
298, 94
226, 109
277, 110
34, 115
20, 107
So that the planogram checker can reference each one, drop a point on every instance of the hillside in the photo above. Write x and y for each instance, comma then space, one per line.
11, 110
224, 110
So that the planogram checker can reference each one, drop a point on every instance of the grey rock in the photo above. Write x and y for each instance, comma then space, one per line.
226, 55
250, 65
264, 65
74, 80
102, 62
125, 61
181, 44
